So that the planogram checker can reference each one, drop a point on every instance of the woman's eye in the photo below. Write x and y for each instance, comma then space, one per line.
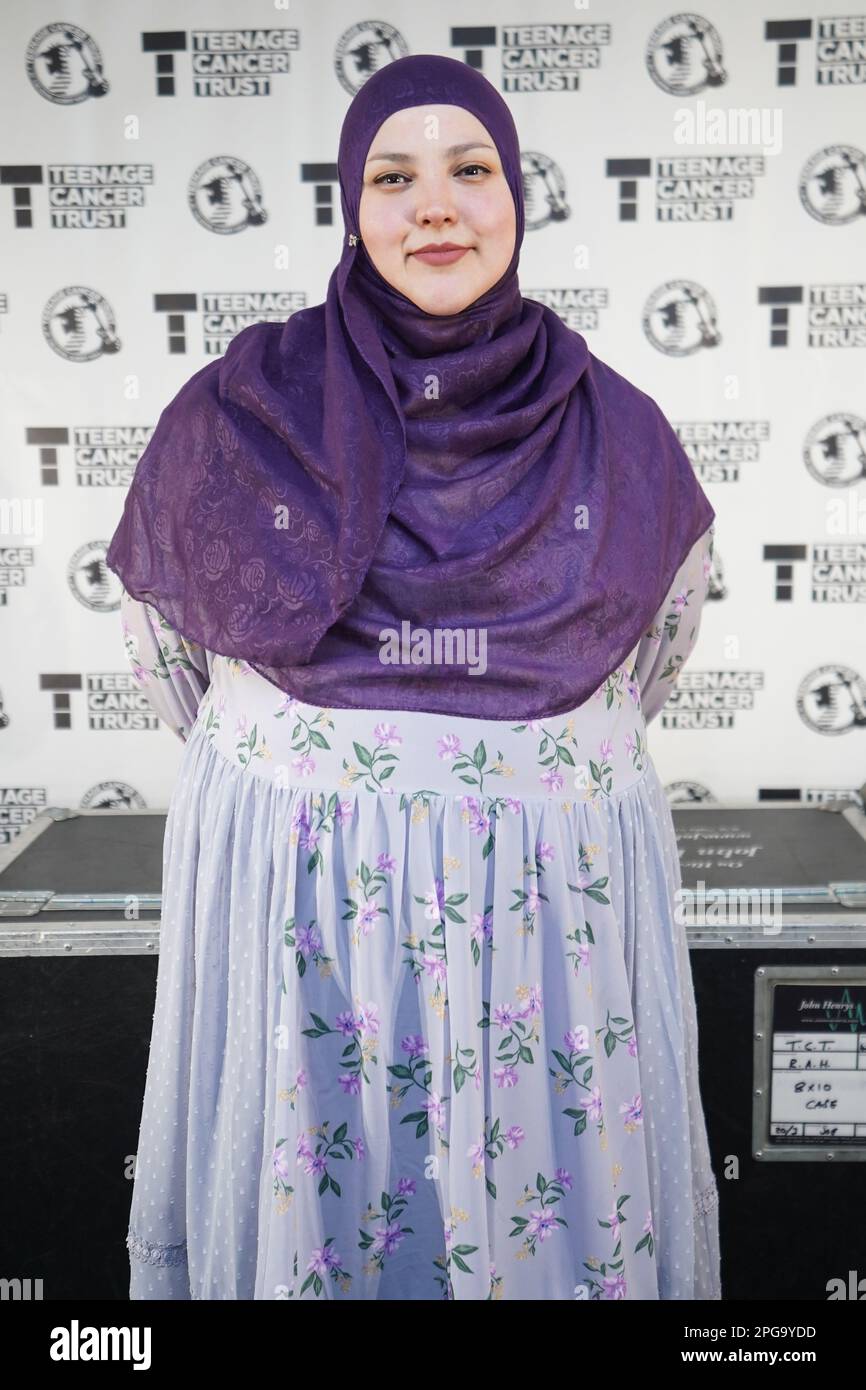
395, 174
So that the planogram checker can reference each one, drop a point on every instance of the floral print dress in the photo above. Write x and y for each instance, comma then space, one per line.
425, 1022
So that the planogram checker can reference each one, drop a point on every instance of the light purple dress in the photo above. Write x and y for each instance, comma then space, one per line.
425, 1022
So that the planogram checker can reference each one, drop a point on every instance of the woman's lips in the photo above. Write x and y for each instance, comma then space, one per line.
440, 257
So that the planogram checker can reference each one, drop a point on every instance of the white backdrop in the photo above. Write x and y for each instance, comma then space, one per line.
696, 206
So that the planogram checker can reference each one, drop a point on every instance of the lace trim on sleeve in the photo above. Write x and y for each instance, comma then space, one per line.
153, 1252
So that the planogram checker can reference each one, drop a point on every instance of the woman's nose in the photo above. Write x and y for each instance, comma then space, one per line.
436, 216
433, 207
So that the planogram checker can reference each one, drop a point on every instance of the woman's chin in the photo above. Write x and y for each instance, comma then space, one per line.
442, 298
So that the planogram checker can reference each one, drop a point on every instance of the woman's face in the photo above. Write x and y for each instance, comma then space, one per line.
433, 176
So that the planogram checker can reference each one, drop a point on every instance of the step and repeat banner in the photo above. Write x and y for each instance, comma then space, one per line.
695, 207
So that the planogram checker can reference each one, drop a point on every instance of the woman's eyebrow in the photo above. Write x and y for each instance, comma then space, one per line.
398, 157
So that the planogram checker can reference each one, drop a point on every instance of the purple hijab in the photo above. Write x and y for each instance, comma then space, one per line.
307, 494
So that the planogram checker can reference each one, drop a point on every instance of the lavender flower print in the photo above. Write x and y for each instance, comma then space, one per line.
249, 744
519, 1030
361, 1028
601, 772
283, 1189
612, 1283
471, 767
491, 1146
307, 943
325, 1263
315, 1160
553, 750
481, 933
635, 750
632, 1114
314, 817
543, 1221
428, 954
417, 1074
457, 1254
592, 888
378, 763
528, 900
390, 1231
213, 714
306, 733
366, 912
647, 1240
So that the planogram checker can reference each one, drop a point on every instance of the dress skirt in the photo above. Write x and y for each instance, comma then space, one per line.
425, 1023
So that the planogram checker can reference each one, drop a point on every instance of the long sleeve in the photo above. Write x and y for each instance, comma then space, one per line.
668, 642
173, 672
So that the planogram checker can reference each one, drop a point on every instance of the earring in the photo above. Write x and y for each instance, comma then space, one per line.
353, 240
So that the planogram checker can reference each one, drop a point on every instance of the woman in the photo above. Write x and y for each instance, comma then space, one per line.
424, 1023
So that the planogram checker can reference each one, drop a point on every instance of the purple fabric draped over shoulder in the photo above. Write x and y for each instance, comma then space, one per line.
306, 495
